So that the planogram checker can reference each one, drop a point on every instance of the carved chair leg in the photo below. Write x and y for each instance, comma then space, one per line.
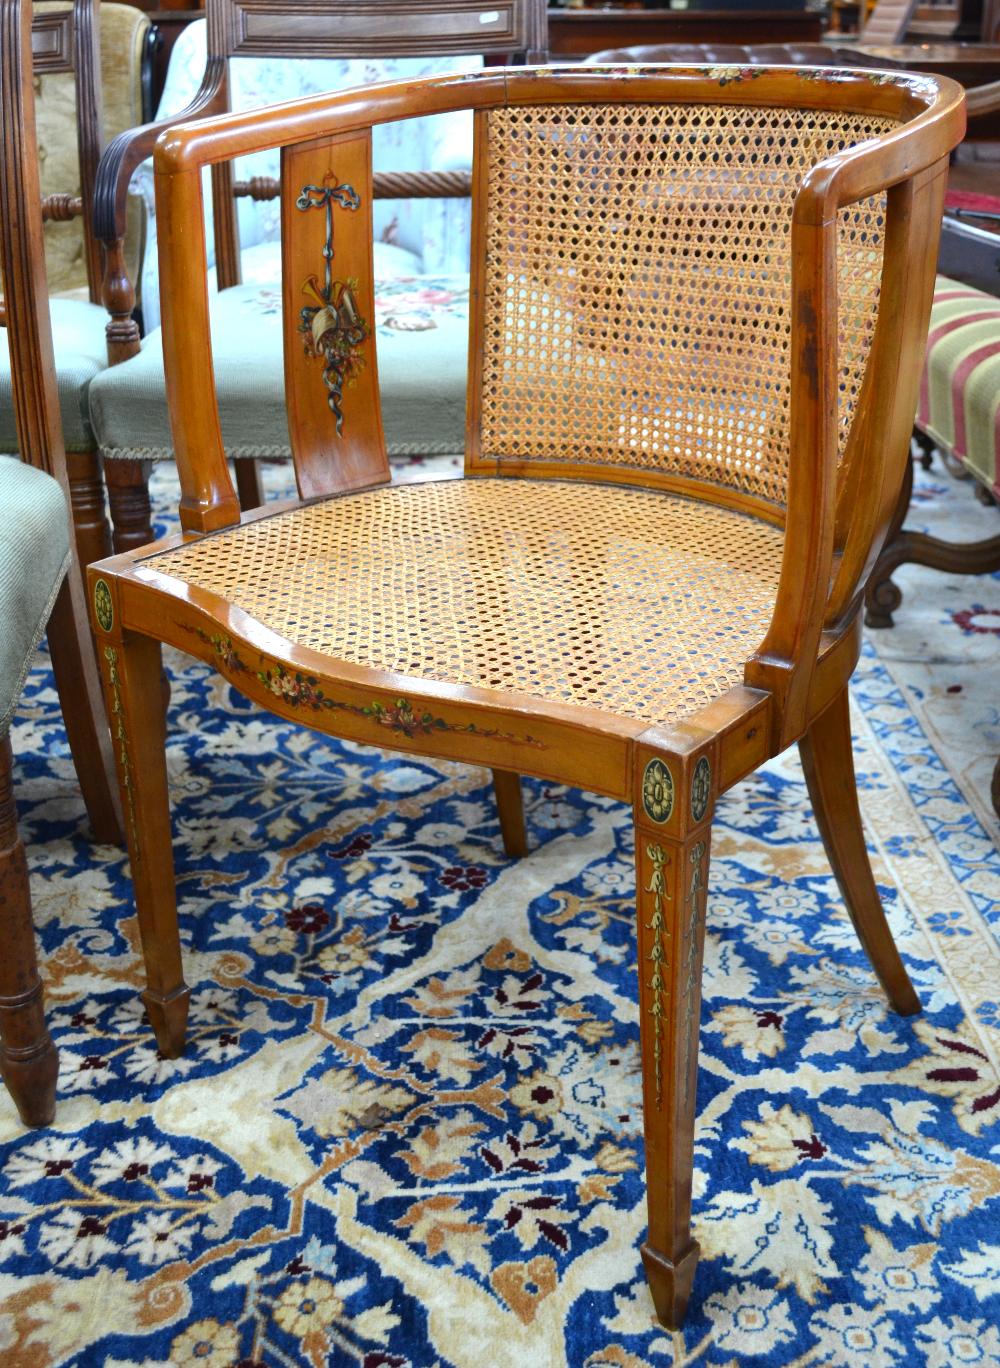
28, 1059
828, 761
882, 597
249, 486
128, 497
86, 490
131, 667
672, 877
925, 448
510, 809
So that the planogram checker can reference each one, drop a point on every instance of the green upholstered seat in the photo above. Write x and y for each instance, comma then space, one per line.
34, 556
78, 343
422, 340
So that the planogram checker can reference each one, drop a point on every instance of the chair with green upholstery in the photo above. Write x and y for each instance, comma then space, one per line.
422, 291
87, 64
40, 577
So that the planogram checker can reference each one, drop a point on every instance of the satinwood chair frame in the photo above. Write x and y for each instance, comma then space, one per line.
559, 301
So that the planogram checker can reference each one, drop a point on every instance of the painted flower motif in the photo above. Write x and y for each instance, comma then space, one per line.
955, 1342
205, 1344
749, 1320
463, 878
849, 1336
309, 1306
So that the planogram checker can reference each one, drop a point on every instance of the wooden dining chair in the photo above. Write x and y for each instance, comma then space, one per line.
67, 44
40, 577
700, 303
129, 407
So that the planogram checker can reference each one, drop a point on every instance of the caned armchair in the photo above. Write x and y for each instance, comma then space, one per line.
700, 298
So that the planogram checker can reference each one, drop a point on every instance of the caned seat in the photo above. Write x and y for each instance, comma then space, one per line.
698, 303
625, 600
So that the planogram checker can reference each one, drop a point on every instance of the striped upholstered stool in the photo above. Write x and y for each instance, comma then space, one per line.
959, 406
959, 414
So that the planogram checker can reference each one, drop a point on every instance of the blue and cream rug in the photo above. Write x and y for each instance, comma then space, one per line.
407, 1130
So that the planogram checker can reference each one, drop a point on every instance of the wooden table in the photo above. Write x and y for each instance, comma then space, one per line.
971, 64
579, 33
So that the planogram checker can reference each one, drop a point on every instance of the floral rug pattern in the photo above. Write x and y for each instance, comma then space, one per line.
407, 1130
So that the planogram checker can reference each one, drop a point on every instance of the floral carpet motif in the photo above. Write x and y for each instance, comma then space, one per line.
407, 1129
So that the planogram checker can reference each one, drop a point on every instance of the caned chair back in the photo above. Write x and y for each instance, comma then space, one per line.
699, 279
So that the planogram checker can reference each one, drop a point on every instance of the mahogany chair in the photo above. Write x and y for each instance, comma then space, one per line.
133, 400
36, 551
693, 372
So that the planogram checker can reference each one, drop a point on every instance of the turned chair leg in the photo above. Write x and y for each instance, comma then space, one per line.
510, 809
828, 761
128, 499
86, 492
672, 863
131, 668
28, 1059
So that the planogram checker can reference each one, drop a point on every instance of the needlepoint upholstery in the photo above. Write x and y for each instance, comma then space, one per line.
635, 602
670, 276
81, 352
960, 391
34, 555
422, 329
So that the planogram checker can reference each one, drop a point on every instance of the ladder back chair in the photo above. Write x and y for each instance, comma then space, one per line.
40, 577
133, 401
700, 303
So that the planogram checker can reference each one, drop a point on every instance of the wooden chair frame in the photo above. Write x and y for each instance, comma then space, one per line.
795, 685
27, 1057
293, 28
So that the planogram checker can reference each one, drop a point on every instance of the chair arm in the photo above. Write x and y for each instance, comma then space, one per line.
124, 154
984, 99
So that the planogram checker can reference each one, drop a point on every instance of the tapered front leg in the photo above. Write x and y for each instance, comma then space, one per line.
672, 858
510, 810
131, 666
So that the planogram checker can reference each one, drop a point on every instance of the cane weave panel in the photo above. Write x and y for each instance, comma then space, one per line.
637, 284
635, 602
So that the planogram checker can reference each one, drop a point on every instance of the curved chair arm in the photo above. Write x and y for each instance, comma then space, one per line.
121, 158
125, 154
984, 99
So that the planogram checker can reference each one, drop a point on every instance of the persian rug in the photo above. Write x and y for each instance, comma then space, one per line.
407, 1129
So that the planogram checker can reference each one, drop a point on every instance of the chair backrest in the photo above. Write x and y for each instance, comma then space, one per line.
706, 280
68, 40
888, 21
516, 29
124, 32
